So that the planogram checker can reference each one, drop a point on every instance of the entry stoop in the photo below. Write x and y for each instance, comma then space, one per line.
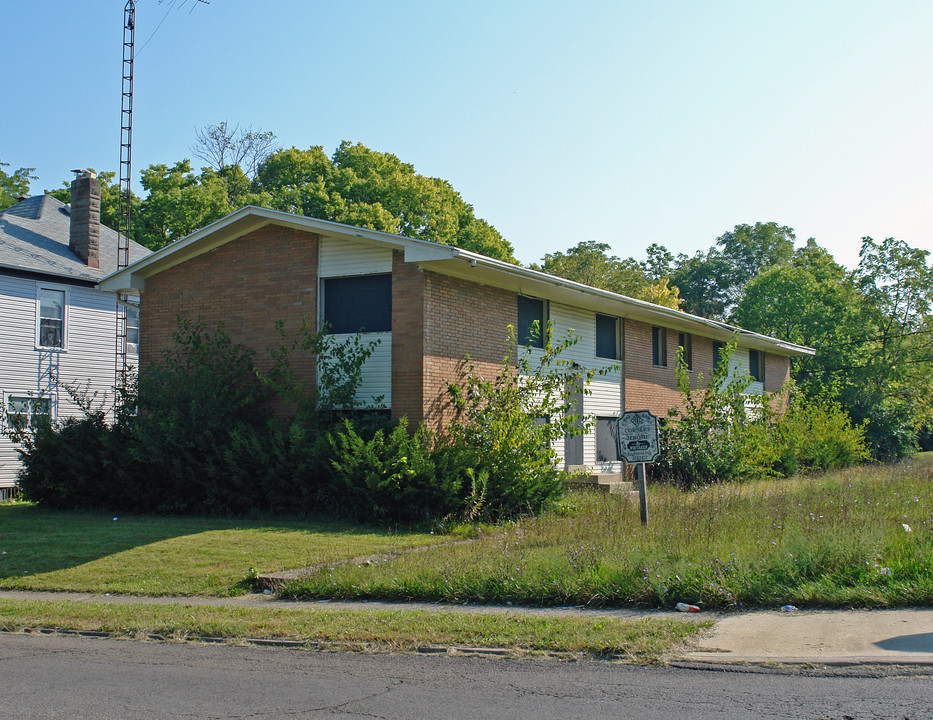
612, 483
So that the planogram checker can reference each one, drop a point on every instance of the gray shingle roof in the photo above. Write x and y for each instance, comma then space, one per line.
34, 236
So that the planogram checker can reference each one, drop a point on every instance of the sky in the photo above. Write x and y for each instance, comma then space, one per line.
627, 123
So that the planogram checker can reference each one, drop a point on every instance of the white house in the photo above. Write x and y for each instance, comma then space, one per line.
56, 328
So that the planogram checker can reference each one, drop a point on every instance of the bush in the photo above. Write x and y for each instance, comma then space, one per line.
721, 434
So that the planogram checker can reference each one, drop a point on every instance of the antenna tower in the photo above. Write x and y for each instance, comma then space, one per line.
126, 165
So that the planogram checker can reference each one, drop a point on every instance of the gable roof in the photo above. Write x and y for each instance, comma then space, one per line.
446, 260
34, 237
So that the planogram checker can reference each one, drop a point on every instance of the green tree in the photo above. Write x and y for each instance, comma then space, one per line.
14, 186
712, 284
590, 263
363, 187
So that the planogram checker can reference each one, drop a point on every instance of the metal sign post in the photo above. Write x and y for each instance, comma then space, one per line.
638, 445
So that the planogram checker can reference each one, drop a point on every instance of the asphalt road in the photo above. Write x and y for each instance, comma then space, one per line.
76, 678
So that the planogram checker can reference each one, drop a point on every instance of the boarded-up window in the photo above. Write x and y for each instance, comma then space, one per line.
659, 346
361, 303
756, 365
718, 349
607, 337
685, 340
607, 439
531, 311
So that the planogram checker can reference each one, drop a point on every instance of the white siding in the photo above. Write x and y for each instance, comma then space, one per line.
87, 360
338, 258
605, 391
377, 372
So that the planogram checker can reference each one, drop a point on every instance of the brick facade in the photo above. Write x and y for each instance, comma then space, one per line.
407, 339
461, 318
246, 285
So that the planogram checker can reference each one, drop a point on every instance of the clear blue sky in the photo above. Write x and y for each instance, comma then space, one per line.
622, 122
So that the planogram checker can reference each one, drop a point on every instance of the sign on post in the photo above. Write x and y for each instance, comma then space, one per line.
638, 444
638, 437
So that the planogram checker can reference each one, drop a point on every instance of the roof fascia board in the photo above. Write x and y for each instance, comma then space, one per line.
487, 271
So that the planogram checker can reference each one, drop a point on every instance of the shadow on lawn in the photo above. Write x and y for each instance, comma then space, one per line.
34, 541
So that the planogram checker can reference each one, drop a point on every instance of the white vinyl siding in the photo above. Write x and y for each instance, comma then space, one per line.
338, 258
345, 258
605, 398
28, 371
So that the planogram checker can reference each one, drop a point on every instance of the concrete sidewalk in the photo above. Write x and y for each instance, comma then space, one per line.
820, 637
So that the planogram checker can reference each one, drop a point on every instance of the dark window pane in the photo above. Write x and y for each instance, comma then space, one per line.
685, 340
607, 439
530, 310
606, 344
755, 365
659, 346
358, 304
718, 347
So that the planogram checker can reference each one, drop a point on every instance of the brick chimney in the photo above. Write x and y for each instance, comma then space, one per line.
84, 239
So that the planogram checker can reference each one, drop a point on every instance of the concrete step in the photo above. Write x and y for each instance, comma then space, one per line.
611, 483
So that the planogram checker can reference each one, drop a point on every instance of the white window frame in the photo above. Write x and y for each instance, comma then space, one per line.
130, 306
32, 398
66, 293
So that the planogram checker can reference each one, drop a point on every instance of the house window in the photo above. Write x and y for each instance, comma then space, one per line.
531, 311
607, 337
756, 365
50, 321
26, 410
132, 329
718, 350
362, 303
607, 439
659, 346
685, 340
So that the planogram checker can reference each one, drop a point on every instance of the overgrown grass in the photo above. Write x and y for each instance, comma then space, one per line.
861, 537
92, 552
645, 640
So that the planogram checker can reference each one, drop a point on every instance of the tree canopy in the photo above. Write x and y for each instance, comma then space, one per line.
14, 185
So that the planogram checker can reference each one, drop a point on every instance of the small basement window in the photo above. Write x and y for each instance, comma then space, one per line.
607, 337
362, 303
531, 311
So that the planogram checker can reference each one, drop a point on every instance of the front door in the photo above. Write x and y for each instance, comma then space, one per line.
573, 444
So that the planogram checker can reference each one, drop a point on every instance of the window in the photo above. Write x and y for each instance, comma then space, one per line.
50, 325
25, 410
607, 439
685, 340
607, 337
531, 311
756, 365
362, 303
718, 348
132, 329
659, 346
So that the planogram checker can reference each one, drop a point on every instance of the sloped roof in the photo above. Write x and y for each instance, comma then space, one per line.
34, 237
444, 259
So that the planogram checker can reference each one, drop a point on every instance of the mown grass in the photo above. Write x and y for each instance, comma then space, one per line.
93, 552
862, 537
645, 640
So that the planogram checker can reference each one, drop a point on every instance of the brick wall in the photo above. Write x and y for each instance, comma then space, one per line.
247, 285
407, 340
777, 372
461, 318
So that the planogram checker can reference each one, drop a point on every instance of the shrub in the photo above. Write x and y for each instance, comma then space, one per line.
818, 435
507, 425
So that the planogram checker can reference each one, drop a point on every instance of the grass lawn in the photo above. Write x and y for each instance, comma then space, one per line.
646, 640
861, 537
93, 552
